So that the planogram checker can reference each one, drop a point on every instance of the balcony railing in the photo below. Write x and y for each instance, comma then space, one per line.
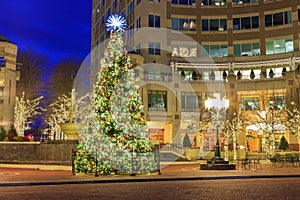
166, 77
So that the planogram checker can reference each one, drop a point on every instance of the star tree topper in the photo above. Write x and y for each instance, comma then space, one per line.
116, 22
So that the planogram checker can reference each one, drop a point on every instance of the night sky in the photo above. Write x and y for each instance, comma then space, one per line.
56, 28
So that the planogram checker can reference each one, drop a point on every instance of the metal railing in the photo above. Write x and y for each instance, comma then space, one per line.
176, 148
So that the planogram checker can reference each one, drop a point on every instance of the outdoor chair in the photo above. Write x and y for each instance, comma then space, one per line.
256, 163
246, 162
295, 160
276, 160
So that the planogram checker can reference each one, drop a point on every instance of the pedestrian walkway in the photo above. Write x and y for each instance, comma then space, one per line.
28, 175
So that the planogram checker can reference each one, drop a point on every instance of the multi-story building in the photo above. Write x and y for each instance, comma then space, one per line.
8, 77
246, 50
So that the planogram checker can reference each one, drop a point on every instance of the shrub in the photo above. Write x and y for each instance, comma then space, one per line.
283, 145
12, 133
186, 141
3, 133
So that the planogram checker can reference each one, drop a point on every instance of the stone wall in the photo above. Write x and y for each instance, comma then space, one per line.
51, 152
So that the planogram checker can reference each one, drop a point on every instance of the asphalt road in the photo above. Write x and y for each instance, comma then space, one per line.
242, 189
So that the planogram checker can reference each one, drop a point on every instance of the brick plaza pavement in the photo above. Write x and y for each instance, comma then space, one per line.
11, 175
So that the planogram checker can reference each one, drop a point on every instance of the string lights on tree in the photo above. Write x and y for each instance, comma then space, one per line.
115, 131
24, 111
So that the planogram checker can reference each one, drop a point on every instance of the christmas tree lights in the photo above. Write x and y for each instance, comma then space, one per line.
115, 133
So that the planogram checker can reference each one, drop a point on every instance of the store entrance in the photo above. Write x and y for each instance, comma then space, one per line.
157, 135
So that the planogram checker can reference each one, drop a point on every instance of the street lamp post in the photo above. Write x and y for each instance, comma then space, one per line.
216, 107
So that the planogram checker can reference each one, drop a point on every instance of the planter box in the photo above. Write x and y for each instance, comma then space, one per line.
71, 130
53, 152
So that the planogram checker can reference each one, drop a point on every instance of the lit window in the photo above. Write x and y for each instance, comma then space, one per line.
157, 100
249, 103
183, 24
279, 46
243, 1
276, 103
215, 50
248, 49
213, 3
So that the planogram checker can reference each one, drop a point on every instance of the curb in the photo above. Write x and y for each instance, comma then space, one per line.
141, 180
69, 168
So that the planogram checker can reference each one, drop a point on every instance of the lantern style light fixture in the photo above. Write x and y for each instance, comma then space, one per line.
217, 106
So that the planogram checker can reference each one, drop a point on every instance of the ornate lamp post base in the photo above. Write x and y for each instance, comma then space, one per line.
217, 163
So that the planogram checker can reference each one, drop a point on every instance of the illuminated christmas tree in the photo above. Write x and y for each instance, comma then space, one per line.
115, 131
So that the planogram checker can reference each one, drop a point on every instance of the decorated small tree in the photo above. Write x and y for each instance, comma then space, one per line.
293, 119
203, 127
232, 129
186, 141
60, 114
283, 145
24, 111
115, 132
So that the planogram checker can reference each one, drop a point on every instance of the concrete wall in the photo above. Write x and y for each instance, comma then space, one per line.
52, 152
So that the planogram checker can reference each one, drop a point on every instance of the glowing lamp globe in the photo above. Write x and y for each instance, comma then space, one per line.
116, 22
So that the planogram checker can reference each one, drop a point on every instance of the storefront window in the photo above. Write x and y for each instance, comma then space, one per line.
157, 100
276, 103
249, 103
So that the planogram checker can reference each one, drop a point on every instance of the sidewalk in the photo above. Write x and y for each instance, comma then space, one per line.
28, 175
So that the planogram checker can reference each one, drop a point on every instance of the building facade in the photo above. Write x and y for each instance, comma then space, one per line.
8, 77
246, 50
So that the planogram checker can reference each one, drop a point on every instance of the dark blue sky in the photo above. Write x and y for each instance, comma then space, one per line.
57, 28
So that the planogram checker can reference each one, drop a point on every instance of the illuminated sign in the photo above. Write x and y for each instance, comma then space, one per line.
184, 52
